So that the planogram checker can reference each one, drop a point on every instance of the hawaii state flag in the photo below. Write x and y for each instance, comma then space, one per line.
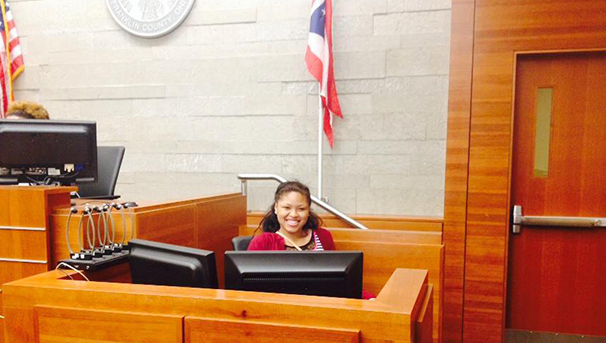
11, 59
320, 62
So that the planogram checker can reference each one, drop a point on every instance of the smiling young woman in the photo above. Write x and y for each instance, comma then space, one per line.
290, 224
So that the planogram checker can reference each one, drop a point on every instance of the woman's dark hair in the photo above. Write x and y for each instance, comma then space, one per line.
270, 223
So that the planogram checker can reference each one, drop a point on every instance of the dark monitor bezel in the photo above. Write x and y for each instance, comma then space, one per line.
44, 144
339, 272
155, 263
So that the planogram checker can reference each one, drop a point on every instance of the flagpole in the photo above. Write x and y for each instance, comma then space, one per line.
320, 141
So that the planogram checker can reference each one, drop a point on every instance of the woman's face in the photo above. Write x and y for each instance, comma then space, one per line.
292, 210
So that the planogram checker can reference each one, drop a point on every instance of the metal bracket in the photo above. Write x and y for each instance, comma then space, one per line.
516, 221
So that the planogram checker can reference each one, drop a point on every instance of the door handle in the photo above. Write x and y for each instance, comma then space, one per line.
518, 220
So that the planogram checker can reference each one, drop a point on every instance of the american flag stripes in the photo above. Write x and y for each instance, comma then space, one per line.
11, 58
319, 61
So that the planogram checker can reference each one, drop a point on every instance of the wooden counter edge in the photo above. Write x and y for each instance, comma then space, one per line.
394, 298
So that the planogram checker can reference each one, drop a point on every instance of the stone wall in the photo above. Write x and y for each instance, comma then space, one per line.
228, 93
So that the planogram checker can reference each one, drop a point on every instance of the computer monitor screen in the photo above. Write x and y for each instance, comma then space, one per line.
325, 273
154, 263
47, 151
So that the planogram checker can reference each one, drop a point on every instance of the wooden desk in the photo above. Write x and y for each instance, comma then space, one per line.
51, 308
210, 223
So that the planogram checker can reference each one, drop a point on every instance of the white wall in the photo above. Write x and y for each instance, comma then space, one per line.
228, 93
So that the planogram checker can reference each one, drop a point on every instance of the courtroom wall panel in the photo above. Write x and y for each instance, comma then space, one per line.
479, 162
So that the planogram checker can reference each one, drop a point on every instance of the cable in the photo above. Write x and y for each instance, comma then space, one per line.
72, 268
102, 243
112, 223
90, 223
63, 271
80, 239
34, 181
72, 210
106, 238
50, 178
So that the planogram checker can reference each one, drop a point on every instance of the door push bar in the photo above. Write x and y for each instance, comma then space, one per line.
519, 220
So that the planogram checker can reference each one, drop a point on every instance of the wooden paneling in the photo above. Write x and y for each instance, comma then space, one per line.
372, 222
501, 29
457, 163
173, 225
1, 330
23, 208
218, 222
385, 319
26, 208
21, 244
10, 271
380, 259
59, 324
423, 327
212, 330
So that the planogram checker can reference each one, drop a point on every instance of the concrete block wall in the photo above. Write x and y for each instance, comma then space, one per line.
228, 93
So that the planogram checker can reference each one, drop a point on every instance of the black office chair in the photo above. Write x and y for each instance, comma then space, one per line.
241, 243
109, 160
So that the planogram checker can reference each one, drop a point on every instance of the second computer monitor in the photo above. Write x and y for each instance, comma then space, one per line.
155, 263
325, 273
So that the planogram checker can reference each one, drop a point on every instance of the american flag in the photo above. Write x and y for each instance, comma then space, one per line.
11, 59
319, 61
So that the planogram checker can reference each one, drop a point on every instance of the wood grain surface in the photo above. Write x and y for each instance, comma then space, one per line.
213, 330
63, 324
501, 28
377, 321
457, 164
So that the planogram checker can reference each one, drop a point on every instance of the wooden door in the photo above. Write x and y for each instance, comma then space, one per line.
556, 275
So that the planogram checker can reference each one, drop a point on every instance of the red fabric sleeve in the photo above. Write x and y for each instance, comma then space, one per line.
326, 239
267, 241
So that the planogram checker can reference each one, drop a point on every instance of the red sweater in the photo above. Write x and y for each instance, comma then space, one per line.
273, 241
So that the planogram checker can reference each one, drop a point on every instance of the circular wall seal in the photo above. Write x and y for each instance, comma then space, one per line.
149, 18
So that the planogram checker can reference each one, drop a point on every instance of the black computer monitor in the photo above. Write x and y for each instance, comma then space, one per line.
47, 151
154, 263
325, 273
